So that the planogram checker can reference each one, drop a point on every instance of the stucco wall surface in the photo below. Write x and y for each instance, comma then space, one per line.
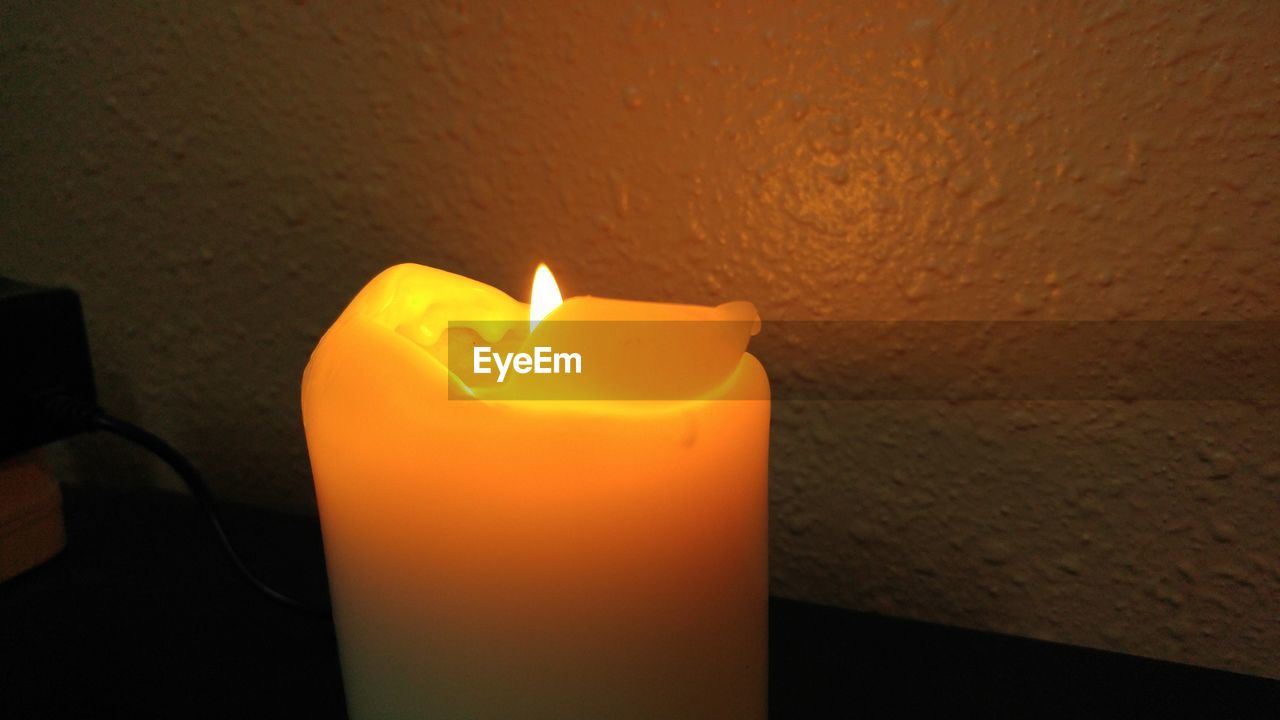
220, 179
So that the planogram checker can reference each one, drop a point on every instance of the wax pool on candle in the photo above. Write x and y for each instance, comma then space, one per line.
507, 558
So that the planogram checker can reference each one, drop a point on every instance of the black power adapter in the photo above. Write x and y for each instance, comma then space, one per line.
46, 376
47, 394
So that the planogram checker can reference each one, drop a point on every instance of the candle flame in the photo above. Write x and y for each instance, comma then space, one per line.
545, 296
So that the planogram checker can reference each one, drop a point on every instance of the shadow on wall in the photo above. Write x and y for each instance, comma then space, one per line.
106, 461
980, 505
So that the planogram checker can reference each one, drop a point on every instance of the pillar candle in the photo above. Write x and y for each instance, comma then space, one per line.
494, 557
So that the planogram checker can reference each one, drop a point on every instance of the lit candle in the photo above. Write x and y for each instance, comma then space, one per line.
496, 557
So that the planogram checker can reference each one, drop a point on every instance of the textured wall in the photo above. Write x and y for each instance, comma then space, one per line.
219, 181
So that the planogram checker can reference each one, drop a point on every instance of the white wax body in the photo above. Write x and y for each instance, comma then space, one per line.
524, 559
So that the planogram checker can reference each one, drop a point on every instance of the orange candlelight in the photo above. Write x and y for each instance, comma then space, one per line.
550, 558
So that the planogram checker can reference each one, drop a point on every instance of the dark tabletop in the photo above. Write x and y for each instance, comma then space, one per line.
141, 617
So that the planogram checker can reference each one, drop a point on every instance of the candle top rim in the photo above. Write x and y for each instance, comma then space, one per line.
416, 304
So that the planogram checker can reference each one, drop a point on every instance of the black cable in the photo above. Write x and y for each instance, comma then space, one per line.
200, 491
